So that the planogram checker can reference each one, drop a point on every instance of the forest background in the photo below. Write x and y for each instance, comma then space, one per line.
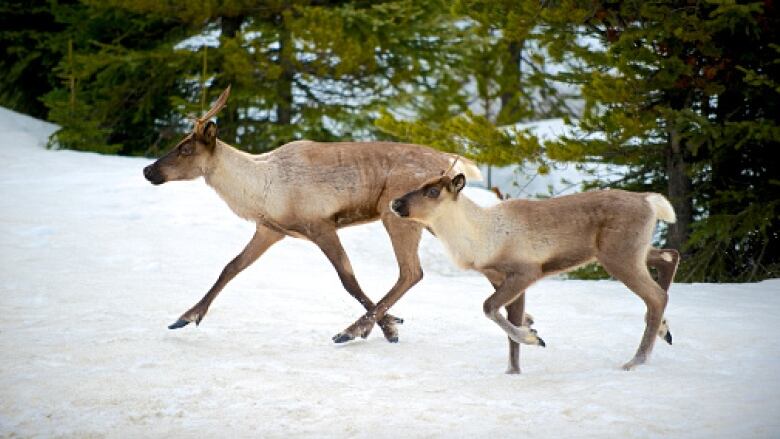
676, 97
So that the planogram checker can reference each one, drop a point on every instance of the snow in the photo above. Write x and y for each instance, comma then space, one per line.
524, 180
96, 262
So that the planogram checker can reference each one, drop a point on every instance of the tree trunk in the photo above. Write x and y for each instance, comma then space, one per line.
510, 84
229, 120
679, 189
284, 85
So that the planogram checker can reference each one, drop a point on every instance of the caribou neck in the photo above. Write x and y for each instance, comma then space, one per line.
461, 226
239, 178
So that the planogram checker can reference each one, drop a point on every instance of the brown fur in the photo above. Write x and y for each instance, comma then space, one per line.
308, 190
517, 242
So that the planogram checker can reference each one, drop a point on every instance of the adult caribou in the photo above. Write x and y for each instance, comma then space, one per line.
308, 190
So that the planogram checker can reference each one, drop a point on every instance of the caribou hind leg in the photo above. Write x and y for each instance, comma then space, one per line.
405, 237
261, 241
636, 277
328, 241
665, 262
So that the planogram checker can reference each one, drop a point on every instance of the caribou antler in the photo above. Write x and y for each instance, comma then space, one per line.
452, 165
221, 101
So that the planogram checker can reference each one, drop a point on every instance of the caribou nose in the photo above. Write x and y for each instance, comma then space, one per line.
152, 175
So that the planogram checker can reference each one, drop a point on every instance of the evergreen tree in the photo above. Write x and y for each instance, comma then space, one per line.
28, 54
116, 76
300, 69
679, 97
683, 96
499, 78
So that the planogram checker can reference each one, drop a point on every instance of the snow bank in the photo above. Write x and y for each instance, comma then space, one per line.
96, 262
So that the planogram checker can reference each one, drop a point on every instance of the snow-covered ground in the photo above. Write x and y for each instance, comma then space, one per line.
96, 262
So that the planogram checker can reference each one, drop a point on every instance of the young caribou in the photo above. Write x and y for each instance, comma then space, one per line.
518, 242
309, 190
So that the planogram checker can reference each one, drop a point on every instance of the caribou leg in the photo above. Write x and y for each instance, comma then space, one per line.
405, 237
261, 241
328, 241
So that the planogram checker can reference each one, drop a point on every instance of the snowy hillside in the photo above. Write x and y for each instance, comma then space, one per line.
96, 262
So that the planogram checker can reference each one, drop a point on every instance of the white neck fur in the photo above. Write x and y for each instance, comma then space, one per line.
461, 226
239, 179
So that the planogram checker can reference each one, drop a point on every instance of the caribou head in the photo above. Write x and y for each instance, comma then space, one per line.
190, 158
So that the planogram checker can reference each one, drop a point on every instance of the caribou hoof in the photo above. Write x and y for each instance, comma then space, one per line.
361, 329
668, 337
396, 320
179, 324
387, 324
343, 338
535, 339
629, 366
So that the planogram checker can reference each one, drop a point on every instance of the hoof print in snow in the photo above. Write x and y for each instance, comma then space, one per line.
178, 324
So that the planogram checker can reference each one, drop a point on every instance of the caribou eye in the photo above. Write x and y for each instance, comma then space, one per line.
432, 192
186, 149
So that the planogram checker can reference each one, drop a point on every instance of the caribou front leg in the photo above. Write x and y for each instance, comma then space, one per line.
405, 237
510, 290
516, 315
261, 241
328, 241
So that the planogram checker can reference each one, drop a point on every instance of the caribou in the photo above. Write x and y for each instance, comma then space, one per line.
309, 190
517, 242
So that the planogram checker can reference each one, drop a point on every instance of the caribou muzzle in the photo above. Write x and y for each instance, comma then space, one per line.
153, 174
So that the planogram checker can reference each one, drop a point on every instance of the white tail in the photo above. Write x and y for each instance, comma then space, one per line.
663, 209
465, 166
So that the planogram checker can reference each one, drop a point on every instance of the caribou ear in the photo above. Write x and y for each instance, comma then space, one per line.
458, 183
210, 134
